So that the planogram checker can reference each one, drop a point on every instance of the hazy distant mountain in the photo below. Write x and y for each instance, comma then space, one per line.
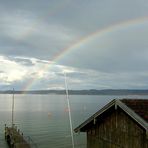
83, 92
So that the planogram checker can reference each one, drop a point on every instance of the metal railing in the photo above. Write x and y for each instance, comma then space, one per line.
31, 142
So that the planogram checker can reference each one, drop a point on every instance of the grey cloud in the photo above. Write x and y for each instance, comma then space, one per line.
43, 29
32, 38
86, 17
22, 61
1, 72
120, 51
45, 41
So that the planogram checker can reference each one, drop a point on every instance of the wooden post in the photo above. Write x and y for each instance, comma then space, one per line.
13, 109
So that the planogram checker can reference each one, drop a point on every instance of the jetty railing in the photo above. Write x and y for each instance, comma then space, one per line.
31, 142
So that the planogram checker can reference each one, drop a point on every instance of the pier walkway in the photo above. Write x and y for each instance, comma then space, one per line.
14, 138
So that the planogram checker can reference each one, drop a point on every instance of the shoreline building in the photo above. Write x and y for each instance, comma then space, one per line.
119, 124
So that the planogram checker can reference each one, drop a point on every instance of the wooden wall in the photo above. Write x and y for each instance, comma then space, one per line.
117, 130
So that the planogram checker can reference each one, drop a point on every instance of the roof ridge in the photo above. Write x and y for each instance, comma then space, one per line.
131, 112
123, 106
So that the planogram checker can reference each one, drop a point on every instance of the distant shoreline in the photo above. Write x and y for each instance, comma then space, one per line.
81, 92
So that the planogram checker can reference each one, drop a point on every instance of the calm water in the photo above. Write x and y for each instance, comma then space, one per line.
45, 117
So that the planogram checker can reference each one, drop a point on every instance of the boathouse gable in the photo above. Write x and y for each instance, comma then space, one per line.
118, 125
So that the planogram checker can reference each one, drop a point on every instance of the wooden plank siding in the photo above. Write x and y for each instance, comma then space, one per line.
116, 130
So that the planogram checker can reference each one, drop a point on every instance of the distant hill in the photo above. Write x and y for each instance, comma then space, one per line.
82, 92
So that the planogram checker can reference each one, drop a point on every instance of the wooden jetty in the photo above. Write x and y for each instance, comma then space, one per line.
15, 138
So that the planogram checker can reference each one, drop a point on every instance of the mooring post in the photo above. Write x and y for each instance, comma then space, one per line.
13, 109
5, 131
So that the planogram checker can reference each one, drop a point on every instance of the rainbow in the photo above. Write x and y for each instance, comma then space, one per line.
100, 33
124, 25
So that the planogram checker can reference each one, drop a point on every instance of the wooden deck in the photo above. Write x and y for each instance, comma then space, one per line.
15, 139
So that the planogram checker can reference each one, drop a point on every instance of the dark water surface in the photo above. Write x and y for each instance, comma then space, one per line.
45, 117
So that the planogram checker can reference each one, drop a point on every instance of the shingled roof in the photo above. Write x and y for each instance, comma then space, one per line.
139, 106
137, 109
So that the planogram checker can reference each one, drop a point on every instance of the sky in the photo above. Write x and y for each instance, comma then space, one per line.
98, 44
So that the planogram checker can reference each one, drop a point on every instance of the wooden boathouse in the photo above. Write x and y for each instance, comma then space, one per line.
119, 124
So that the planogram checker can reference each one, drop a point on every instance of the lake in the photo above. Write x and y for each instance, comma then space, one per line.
45, 117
